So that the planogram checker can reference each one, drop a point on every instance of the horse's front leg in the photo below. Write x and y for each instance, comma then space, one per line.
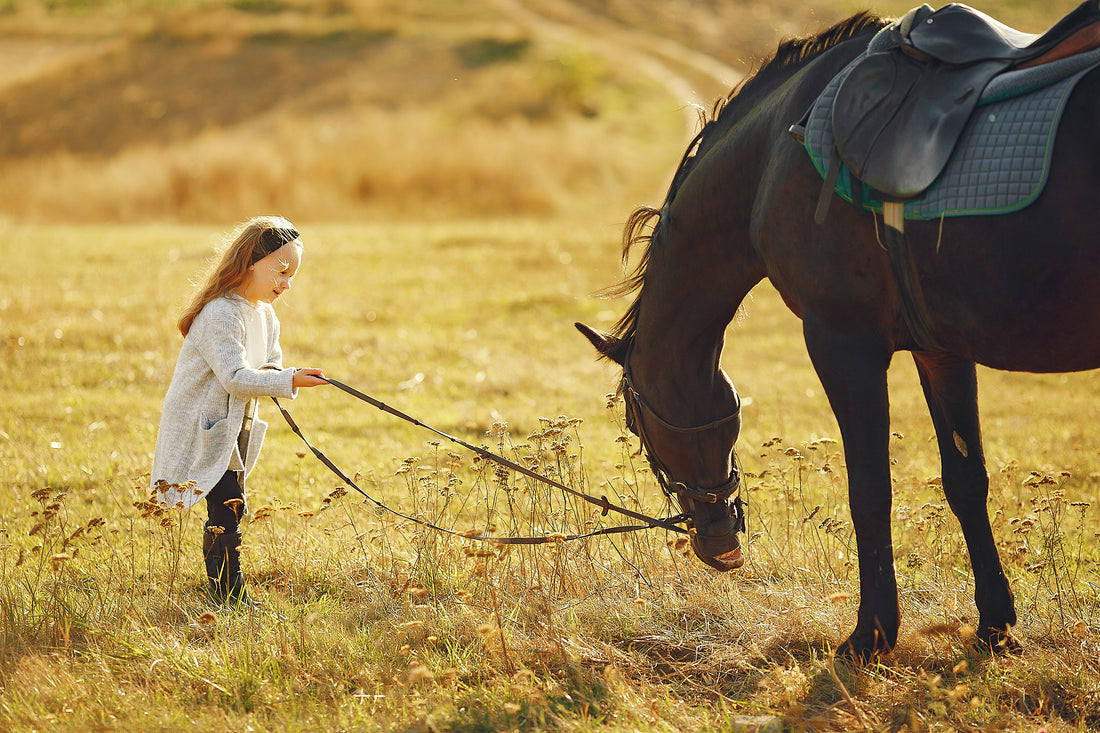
852, 369
951, 389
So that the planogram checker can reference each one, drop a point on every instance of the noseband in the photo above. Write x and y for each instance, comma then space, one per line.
664, 477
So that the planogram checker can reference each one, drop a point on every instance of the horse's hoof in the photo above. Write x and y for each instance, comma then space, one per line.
860, 655
1001, 641
863, 648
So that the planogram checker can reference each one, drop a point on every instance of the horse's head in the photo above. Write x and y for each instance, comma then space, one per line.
695, 463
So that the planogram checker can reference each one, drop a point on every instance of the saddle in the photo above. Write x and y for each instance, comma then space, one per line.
887, 126
900, 111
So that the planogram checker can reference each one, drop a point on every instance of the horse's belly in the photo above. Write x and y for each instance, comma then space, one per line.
1049, 340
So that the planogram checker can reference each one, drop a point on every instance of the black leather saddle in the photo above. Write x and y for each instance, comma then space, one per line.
900, 111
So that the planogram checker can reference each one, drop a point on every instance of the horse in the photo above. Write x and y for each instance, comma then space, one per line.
1012, 292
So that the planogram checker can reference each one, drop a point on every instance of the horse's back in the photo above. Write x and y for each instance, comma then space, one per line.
1015, 291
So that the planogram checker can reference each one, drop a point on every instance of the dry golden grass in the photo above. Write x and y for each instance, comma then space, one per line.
370, 622
203, 111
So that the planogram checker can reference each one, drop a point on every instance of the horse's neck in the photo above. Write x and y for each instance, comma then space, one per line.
676, 351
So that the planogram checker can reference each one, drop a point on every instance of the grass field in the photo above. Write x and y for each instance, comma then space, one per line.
372, 623
453, 234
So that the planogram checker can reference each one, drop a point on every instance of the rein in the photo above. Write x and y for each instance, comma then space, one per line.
669, 523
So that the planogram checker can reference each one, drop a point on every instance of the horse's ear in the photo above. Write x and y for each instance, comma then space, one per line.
608, 346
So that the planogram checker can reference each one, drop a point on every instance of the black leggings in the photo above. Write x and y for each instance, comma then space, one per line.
220, 514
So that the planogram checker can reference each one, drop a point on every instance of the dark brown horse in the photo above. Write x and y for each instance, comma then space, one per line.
1015, 292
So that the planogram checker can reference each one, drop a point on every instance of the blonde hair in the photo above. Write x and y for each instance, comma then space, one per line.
251, 242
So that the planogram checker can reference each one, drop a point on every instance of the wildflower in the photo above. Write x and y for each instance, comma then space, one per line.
419, 673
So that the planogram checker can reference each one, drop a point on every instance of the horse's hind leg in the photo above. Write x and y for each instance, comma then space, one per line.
951, 389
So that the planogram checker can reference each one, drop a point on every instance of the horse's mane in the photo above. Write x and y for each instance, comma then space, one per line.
643, 222
794, 52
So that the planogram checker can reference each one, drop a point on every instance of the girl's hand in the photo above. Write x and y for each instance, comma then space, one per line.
308, 378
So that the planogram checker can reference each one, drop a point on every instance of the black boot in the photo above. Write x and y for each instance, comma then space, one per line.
223, 566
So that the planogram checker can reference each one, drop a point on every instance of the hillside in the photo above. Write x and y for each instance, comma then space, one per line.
197, 110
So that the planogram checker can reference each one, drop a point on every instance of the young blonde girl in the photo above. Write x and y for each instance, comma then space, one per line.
209, 438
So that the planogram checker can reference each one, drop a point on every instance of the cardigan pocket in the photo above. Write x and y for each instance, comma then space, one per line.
214, 437
207, 423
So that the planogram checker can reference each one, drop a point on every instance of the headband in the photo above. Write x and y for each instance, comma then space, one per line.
272, 240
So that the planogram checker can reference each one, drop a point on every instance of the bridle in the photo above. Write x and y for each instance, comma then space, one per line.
634, 400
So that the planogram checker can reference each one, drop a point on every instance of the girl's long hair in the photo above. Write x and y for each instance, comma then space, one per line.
251, 242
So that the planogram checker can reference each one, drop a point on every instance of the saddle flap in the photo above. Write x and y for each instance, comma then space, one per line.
896, 120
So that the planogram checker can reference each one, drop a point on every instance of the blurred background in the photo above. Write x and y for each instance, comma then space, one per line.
350, 110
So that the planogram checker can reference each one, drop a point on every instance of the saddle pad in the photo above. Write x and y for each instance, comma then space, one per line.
1001, 161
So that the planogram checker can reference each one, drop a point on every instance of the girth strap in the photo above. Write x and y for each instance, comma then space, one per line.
914, 310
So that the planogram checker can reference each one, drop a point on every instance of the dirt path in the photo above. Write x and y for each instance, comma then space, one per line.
692, 78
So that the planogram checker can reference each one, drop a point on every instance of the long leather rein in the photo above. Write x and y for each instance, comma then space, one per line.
670, 523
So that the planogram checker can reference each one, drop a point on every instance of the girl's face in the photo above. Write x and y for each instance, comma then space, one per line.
270, 277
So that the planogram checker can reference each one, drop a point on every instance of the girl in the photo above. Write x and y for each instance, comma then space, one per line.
209, 437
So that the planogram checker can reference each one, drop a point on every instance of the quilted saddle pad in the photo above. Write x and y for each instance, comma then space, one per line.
1002, 160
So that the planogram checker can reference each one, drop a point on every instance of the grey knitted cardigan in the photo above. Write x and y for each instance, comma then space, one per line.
205, 403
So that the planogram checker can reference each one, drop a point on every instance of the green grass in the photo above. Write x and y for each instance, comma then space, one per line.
371, 623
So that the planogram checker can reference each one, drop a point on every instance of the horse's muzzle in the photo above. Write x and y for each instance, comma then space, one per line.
721, 552
714, 532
